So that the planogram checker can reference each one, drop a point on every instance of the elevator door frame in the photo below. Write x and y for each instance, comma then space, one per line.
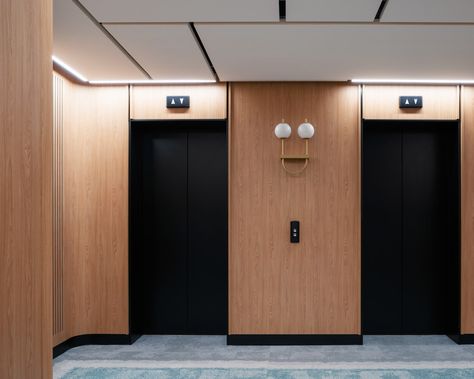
179, 124
403, 124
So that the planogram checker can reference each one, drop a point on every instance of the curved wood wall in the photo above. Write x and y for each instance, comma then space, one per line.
91, 210
25, 188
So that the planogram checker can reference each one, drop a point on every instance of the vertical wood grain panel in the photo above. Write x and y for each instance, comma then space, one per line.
25, 188
381, 102
467, 210
95, 209
208, 101
312, 287
58, 252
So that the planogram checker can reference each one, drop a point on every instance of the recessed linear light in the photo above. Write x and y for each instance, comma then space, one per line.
69, 69
151, 81
82, 78
412, 81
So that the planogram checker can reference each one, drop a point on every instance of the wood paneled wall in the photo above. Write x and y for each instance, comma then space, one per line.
275, 287
467, 210
25, 188
312, 287
381, 102
94, 228
95, 211
208, 101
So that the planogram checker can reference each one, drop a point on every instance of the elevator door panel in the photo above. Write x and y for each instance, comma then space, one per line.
410, 228
160, 273
382, 218
178, 255
207, 196
426, 222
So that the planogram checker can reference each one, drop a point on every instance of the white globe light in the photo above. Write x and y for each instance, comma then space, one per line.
306, 130
283, 130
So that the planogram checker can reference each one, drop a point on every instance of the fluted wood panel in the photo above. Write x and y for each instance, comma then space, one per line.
95, 211
58, 252
208, 101
277, 287
25, 189
381, 102
467, 210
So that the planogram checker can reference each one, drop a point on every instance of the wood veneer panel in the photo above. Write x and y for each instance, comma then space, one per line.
467, 210
312, 287
95, 209
207, 102
381, 102
58, 251
25, 188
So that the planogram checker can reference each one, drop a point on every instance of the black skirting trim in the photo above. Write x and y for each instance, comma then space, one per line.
94, 339
462, 339
294, 339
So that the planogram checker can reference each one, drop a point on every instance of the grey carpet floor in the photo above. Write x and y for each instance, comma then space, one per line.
208, 348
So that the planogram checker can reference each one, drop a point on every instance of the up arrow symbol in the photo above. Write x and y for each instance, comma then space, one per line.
407, 102
172, 102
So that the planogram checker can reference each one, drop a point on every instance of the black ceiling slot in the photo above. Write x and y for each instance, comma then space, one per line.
282, 6
203, 50
380, 11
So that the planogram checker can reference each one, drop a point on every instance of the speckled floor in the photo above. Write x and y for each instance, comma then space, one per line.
205, 348
187, 356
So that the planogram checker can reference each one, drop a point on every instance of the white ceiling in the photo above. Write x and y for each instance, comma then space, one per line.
80, 44
322, 40
331, 10
339, 51
429, 11
166, 52
183, 10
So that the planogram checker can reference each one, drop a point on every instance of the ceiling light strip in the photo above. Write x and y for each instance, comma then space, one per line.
69, 69
412, 81
170, 81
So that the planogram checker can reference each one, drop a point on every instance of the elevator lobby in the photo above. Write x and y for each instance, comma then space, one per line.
236, 189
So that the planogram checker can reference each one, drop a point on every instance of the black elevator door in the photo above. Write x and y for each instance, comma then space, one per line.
178, 255
410, 228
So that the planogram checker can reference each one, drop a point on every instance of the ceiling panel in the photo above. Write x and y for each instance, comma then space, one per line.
83, 46
331, 10
182, 10
166, 51
339, 51
429, 11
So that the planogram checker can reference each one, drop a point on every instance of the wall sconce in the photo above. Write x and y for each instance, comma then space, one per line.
305, 131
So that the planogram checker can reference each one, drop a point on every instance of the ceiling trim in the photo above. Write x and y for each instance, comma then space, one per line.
111, 37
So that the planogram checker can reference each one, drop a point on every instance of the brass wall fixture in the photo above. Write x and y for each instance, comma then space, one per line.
305, 131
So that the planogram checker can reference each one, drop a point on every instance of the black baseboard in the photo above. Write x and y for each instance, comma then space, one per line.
94, 339
462, 339
294, 339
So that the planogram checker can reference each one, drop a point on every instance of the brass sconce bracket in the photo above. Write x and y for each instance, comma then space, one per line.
303, 157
